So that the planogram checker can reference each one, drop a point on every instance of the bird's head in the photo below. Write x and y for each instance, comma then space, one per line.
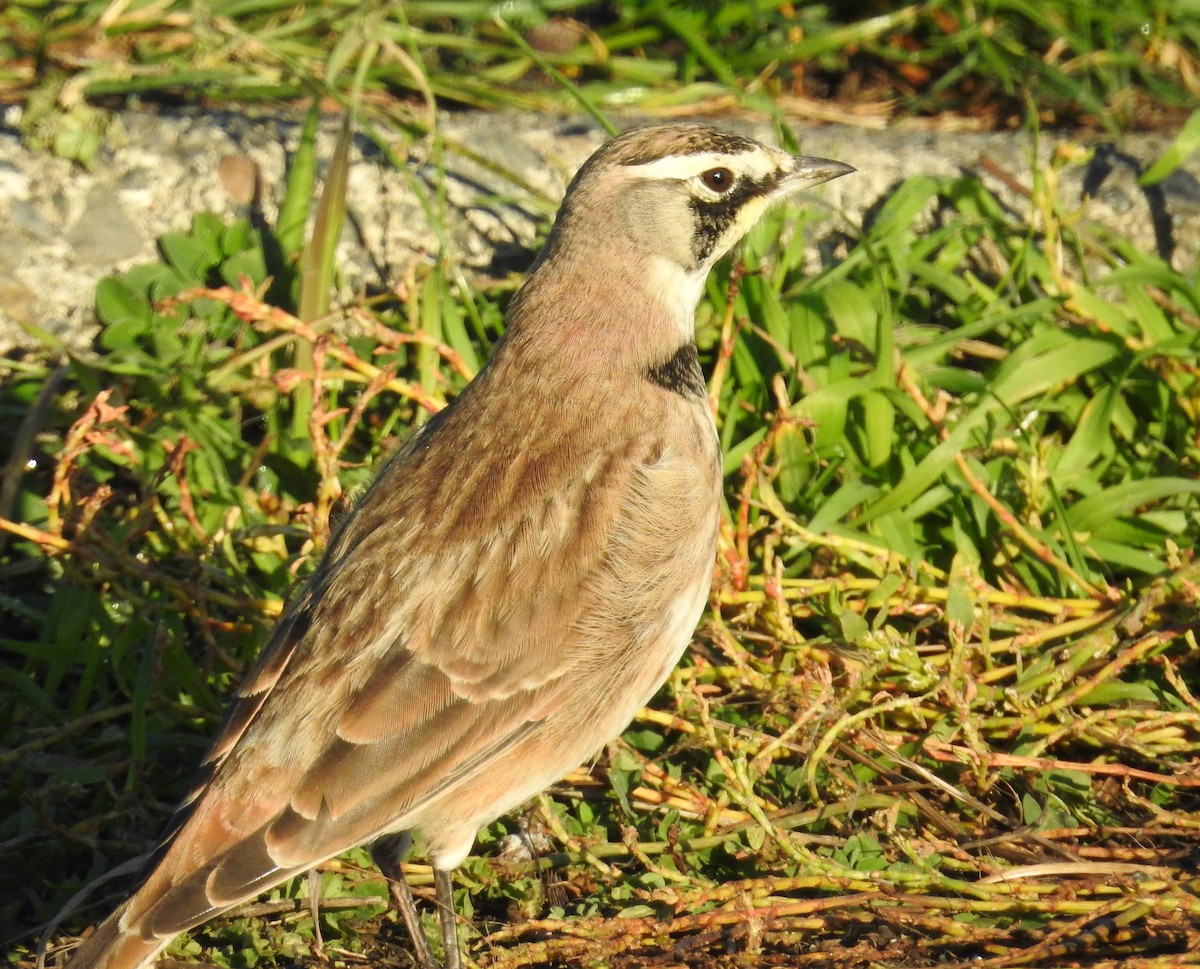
665, 202
652, 210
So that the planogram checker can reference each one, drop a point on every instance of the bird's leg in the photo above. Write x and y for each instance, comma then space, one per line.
445, 898
314, 906
386, 853
412, 919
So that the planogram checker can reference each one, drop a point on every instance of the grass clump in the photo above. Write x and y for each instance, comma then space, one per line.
1116, 66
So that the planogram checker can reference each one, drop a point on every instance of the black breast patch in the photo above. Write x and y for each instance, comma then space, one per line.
679, 373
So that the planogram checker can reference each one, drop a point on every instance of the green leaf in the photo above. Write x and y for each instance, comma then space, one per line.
301, 179
454, 329
795, 461
852, 313
756, 837
119, 305
1185, 144
249, 265
238, 237
1114, 316
624, 774
1113, 693
839, 505
878, 430
190, 258
936, 462
827, 409
1091, 513
1092, 440
903, 205
208, 231
855, 629
960, 604
1047, 362
317, 263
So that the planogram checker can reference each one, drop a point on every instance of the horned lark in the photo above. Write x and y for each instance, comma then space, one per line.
518, 581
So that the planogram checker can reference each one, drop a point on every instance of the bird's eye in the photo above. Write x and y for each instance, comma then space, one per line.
720, 180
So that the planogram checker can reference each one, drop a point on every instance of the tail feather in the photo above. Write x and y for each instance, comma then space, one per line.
111, 946
163, 908
146, 923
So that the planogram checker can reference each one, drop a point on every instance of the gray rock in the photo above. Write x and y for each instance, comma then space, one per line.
104, 234
26, 217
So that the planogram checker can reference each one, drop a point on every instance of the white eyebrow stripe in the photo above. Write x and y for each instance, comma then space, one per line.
755, 163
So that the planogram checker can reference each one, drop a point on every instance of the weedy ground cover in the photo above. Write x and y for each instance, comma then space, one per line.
943, 707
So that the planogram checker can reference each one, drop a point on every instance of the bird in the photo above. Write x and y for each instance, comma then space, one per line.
518, 580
